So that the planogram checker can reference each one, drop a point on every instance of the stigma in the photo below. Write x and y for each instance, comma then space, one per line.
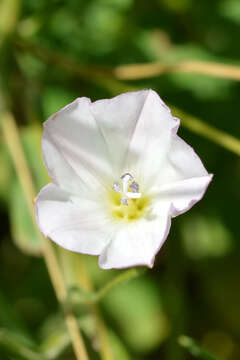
129, 189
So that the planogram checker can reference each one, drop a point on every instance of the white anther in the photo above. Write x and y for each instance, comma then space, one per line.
134, 187
124, 201
116, 187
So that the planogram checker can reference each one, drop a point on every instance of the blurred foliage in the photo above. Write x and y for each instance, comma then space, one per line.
54, 51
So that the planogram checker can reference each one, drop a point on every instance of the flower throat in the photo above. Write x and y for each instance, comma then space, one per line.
127, 203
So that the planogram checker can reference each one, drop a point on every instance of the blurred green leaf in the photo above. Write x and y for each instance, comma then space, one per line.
13, 344
24, 231
31, 139
118, 4
118, 348
177, 6
136, 308
205, 237
103, 25
230, 9
54, 337
14, 337
10, 320
6, 173
219, 288
9, 13
220, 344
54, 98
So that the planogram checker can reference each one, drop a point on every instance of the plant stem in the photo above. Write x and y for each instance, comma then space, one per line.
11, 135
93, 297
123, 277
199, 127
149, 70
109, 80
133, 71
194, 349
75, 264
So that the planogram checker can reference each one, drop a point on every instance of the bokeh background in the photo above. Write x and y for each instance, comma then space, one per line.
52, 51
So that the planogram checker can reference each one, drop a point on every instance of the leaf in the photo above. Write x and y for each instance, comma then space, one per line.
55, 338
5, 173
205, 237
24, 231
31, 139
13, 344
9, 13
133, 304
119, 350
230, 9
9, 319
14, 338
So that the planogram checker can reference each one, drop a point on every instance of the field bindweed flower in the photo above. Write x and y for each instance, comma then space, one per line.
120, 173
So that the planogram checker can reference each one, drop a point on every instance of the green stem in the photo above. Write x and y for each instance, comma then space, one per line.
12, 138
76, 276
123, 277
199, 127
106, 78
194, 349
91, 297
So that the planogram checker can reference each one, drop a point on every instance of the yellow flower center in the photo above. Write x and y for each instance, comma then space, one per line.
135, 209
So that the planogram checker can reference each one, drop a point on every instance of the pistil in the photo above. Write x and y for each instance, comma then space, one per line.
128, 183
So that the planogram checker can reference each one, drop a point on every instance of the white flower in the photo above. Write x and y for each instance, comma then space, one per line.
120, 173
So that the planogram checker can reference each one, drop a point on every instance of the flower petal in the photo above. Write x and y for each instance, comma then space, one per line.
138, 243
151, 139
183, 179
74, 149
182, 195
181, 163
76, 225
124, 120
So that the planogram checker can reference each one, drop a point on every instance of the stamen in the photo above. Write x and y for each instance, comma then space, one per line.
124, 201
134, 187
116, 187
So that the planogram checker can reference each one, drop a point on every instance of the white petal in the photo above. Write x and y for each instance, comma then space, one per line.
138, 243
182, 179
182, 195
74, 149
151, 139
58, 167
99, 141
118, 118
77, 226
181, 163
